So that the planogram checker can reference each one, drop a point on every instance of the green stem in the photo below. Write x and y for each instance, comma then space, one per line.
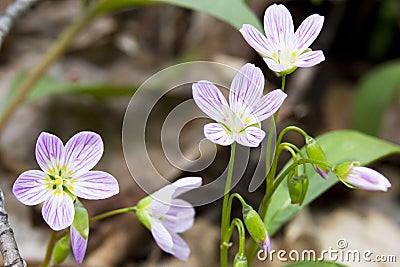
251, 250
111, 213
291, 128
236, 222
226, 212
49, 251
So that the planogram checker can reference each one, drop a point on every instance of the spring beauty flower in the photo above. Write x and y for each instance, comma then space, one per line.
165, 215
283, 49
355, 176
65, 174
240, 120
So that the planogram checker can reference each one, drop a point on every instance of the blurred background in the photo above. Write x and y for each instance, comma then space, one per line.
89, 88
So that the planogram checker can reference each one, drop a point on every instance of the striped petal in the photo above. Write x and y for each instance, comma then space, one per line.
278, 25
31, 187
310, 59
180, 216
78, 245
218, 134
95, 185
308, 31
246, 89
58, 211
275, 66
250, 137
257, 40
82, 152
49, 152
269, 104
210, 100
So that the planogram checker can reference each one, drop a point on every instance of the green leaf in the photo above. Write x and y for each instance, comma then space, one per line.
314, 264
61, 250
233, 12
373, 95
48, 86
338, 146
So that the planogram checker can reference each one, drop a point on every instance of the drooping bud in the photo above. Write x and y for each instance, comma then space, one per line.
61, 250
355, 176
240, 260
256, 228
315, 151
298, 186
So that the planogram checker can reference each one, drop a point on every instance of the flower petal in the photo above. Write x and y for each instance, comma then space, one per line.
368, 179
58, 211
82, 152
78, 245
269, 104
275, 66
95, 185
49, 152
210, 100
162, 236
180, 216
180, 249
257, 40
278, 25
310, 59
246, 89
250, 137
31, 187
218, 134
308, 31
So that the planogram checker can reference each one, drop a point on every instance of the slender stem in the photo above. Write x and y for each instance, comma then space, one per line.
236, 222
251, 250
50, 246
226, 212
111, 213
291, 128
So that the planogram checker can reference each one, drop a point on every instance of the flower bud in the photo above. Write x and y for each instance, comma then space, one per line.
256, 228
298, 186
240, 260
355, 176
314, 151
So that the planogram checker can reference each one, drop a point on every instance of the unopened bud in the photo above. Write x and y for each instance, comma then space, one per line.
256, 228
298, 186
240, 260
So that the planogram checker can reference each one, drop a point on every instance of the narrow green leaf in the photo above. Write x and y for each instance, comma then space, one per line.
315, 264
338, 146
233, 12
48, 86
373, 95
